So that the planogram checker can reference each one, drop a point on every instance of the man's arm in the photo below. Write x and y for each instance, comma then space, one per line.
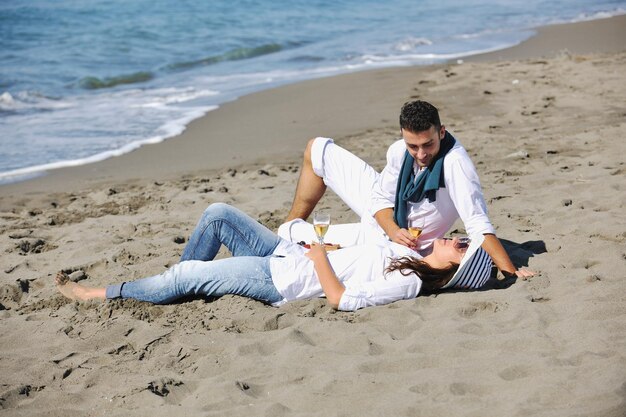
494, 248
383, 196
467, 195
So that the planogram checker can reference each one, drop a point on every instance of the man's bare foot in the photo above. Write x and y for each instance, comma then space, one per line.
75, 291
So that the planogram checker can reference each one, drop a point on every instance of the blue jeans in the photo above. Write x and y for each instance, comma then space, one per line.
247, 273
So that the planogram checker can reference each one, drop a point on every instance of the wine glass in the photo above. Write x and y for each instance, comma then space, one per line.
321, 223
417, 227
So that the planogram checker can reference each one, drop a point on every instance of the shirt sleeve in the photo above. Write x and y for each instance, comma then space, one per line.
384, 191
383, 291
466, 194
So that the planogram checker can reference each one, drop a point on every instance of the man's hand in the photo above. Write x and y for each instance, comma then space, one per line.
524, 273
398, 235
521, 273
494, 248
404, 238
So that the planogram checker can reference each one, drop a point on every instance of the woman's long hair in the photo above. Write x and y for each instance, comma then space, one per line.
432, 278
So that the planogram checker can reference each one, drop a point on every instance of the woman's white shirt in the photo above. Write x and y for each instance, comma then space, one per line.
359, 268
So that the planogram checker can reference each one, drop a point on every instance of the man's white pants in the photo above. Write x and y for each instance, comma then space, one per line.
352, 179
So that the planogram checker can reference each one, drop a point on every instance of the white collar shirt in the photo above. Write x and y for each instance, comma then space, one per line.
359, 268
461, 197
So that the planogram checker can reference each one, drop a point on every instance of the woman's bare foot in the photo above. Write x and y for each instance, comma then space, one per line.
75, 291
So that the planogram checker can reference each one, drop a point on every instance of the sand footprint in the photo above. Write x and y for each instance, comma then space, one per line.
174, 391
256, 348
375, 349
300, 337
163, 386
474, 329
277, 410
276, 321
125, 349
424, 389
383, 366
485, 307
10, 293
253, 390
514, 372
14, 397
34, 245
462, 388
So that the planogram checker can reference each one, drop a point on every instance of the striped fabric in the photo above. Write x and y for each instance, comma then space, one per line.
475, 268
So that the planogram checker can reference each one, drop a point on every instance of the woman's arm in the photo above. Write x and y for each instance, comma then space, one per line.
333, 289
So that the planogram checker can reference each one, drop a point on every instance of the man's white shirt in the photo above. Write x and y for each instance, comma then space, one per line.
461, 197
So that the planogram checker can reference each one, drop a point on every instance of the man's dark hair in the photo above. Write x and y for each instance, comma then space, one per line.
418, 116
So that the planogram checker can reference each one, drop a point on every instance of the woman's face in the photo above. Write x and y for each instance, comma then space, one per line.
448, 250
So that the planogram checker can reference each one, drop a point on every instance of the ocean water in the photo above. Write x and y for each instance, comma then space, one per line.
81, 81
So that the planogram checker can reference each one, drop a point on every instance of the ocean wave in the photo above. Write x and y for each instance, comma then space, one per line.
483, 34
583, 17
307, 58
95, 83
168, 130
163, 97
6, 99
28, 101
233, 55
410, 44
411, 59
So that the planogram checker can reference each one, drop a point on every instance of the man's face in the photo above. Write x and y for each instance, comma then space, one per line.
423, 146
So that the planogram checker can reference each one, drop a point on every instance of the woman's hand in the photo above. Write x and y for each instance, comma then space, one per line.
316, 252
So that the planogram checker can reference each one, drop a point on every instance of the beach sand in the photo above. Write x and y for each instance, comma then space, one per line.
544, 124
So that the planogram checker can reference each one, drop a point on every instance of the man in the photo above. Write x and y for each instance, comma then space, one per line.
429, 181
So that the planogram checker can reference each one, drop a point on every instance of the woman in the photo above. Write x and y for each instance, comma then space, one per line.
270, 269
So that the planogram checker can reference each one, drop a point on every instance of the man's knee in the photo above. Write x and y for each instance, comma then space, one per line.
308, 151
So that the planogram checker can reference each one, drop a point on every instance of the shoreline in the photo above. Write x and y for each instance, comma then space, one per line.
276, 123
